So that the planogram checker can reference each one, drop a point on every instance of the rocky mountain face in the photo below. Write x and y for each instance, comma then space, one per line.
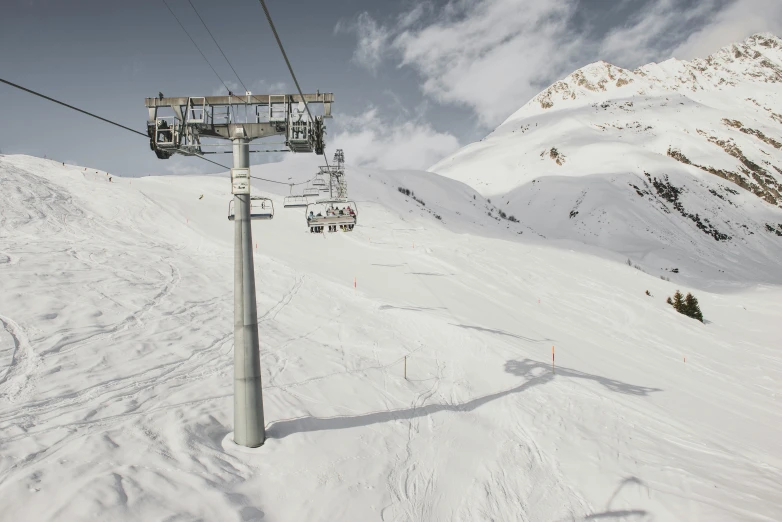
676, 163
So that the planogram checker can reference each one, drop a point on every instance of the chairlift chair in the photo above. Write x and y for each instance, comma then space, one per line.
294, 201
322, 219
300, 136
260, 208
166, 132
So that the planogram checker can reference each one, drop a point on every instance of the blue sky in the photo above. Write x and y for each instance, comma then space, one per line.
413, 81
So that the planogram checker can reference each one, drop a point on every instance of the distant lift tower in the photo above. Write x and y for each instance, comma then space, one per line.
338, 185
176, 126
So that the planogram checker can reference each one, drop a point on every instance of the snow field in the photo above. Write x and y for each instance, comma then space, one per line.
115, 401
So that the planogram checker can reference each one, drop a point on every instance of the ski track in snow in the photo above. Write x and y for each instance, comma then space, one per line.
116, 391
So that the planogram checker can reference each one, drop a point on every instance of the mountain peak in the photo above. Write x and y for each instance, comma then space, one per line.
756, 59
677, 159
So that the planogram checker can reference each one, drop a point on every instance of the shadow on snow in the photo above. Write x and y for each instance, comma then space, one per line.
535, 372
499, 332
411, 308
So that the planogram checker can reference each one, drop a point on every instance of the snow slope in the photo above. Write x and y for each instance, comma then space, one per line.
675, 165
116, 376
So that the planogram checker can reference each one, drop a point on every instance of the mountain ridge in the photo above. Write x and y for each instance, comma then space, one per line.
697, 74
677, 163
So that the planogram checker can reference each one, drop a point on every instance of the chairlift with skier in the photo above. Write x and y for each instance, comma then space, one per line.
331, 215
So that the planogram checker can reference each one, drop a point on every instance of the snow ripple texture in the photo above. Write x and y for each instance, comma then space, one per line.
116, 364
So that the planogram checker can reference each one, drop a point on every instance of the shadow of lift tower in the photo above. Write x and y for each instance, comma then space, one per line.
175, 126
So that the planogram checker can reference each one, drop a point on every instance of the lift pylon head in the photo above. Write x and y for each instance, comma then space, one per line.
176, 125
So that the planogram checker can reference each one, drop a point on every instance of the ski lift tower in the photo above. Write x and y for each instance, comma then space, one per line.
176, 126
336, 174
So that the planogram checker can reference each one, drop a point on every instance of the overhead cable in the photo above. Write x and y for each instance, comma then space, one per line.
218, 46
283, 182
196, 45
290, 68
251, 152
134, 131
71, 107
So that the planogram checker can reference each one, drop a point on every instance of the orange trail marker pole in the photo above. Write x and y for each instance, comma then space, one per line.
405, 367
552, 359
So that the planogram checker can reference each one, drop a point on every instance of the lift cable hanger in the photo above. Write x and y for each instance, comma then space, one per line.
95, 116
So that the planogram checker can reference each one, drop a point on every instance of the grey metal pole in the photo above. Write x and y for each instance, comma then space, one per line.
248, 397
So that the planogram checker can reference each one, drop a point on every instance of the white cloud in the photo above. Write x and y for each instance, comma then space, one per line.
180, 166
370, 141
492, 56
489, 55
256, 87
372, 41
733, 24
265, 87
654, 32
486, 55
220, 89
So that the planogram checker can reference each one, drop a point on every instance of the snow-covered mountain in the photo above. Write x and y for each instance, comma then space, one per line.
116, 337
676, 165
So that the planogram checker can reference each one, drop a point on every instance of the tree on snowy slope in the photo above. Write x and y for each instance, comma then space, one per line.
686, 305
678, 301
691, 307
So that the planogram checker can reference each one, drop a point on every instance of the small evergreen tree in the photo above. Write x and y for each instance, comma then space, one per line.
691, 307
678, 302
686, 305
